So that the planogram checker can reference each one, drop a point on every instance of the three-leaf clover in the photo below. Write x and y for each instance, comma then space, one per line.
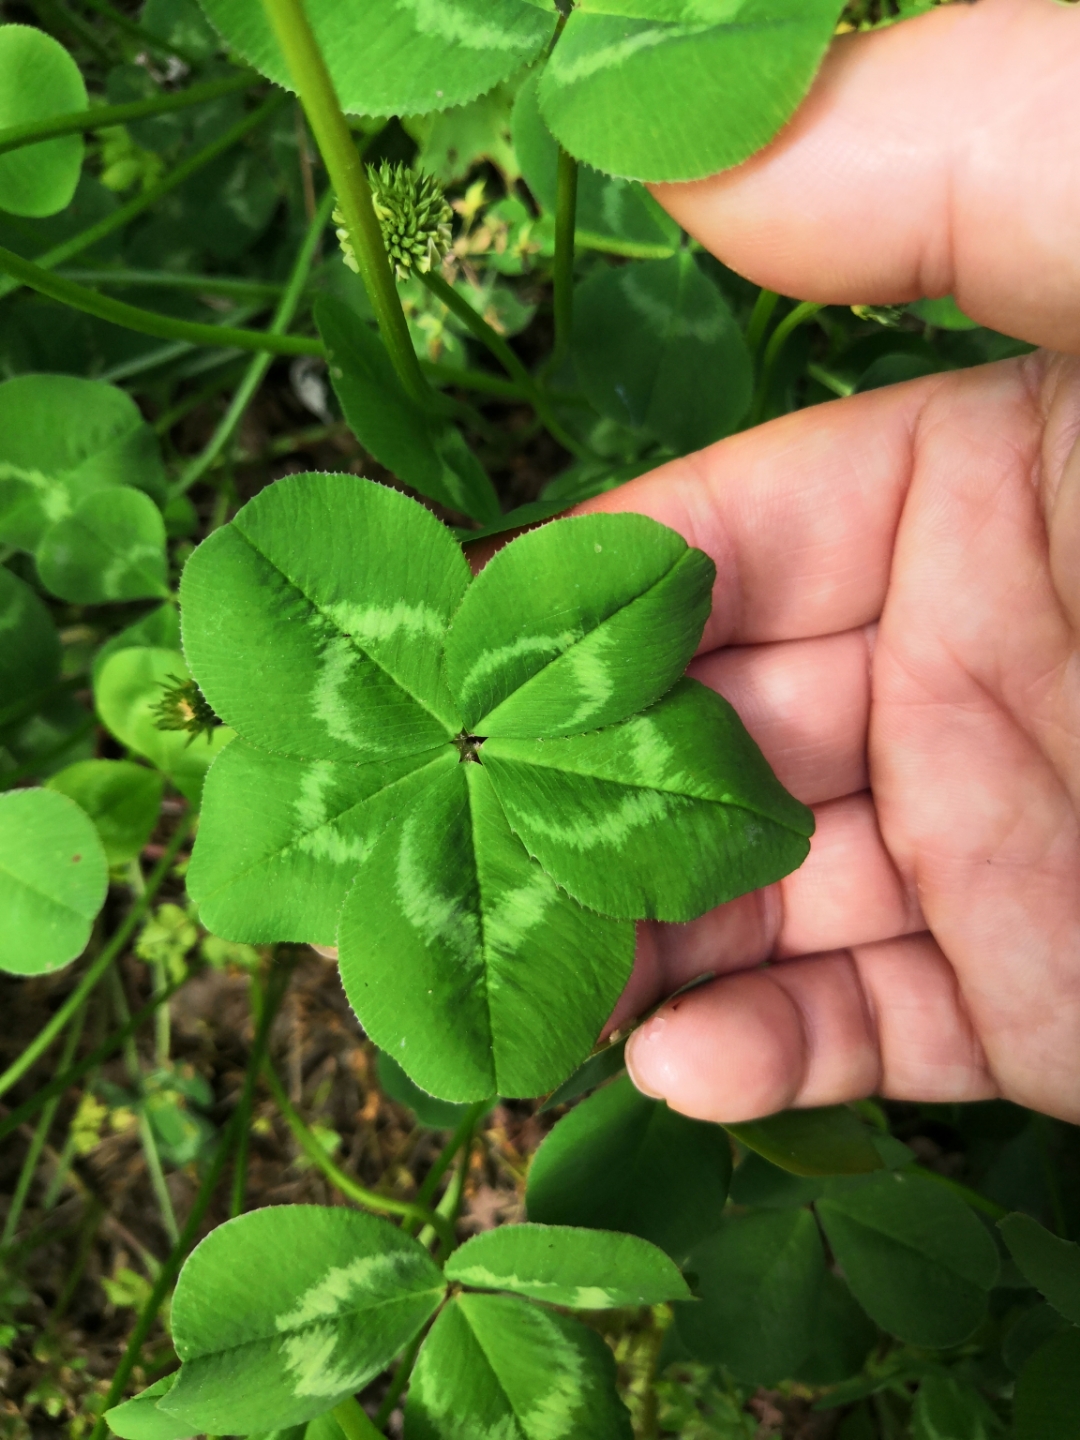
473, 786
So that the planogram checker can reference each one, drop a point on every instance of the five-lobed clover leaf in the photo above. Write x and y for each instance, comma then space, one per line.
473, 786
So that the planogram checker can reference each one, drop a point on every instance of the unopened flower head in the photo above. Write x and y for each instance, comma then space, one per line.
414, 216
184, 707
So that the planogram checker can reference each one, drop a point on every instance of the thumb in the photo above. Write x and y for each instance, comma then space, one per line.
938, 156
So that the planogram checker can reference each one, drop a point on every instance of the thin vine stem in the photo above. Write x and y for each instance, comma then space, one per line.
563, 271
777, 340
760, 316
227, 285
120, 217
461, 1137
49, 1032
370, 1199
41, 1135
345, 166
75, 1072
149, 322
489, 337
268, 1003
14, 137
258, 367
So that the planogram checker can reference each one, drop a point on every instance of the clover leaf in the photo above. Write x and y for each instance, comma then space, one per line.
472, 786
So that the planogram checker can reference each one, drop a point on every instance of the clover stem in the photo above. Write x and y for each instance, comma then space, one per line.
760, 316
345, 167
354, 1421
806, 311
565, 227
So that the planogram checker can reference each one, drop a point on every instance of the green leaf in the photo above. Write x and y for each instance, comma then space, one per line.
182, 23
314, 621
843, 1336
61, 439
609, 78
605, 1064
38, 80
494, 1365
1047, 1403
53, 878
612, 214
947, 1409
280, 1314
158, 628
398, 57
454, 141
1052, 1265
130, 684
590, 809
111, 547
29, 644
140, 1418
829, 1141
463, 959
438, 1114
281, 839
122, 799
574, 625
620, 1161
566, 1265
758, 1183
758, 1279
421, 448
917, 1259
658, 349
1029, 1333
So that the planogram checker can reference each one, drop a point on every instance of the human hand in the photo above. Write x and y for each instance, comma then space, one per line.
897, 609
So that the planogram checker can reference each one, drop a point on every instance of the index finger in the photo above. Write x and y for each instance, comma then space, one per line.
799, 515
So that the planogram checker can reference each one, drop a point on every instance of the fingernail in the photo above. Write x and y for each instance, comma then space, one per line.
643, 1063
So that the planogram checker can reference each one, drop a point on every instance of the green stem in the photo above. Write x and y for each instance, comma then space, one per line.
74, 1073
478, 327
461, 1136
563, 273
13, 137
149, 322
147, 1139
370, 1199
268, 1005
120, 217
345, 166
164, 1281
261, 364
478, 380
760, 316
354, 1421
226, 285
777, 340
398, 1381
168, 418
970, 1197
41, 1135
49, 1032
136, 31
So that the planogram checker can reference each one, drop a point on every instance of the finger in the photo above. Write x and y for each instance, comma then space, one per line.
933, 157
799, 515
847, 892
883, 1019
806, 703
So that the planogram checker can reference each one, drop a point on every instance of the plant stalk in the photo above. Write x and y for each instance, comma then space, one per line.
760, 316
345, 167
13, 137
258, 367
370, 1199
41, 1135
398, 1381
266, 1007
49, 1032
149, 322
777, 340
355, 1422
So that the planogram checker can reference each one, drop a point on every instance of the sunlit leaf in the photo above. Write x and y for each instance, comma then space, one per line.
111, 547
121, 798
38, 80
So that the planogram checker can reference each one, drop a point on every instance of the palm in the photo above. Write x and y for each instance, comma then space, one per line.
900, 589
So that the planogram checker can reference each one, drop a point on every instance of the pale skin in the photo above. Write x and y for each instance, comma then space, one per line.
897, 609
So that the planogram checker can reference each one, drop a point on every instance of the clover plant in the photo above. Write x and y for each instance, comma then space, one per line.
243, 711
471, 786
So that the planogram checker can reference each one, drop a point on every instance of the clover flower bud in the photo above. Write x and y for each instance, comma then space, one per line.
414, 217
183, 707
